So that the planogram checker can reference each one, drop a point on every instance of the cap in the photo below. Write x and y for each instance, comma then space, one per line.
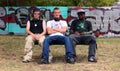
80, 11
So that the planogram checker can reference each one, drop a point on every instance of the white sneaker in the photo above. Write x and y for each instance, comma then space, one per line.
26, 61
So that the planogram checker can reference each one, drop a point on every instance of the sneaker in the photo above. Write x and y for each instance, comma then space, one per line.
43, 61
92, 59
71, 60
26, 61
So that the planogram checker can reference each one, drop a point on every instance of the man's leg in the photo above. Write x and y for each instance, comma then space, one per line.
68, 47
74, 39
45, 51
53, 40
41, 40
92, 48
28, 49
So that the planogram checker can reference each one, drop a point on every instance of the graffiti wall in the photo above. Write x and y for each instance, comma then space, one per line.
105, 20
13, 19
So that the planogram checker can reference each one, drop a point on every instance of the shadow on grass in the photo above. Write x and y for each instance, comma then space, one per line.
59, 59
81, 58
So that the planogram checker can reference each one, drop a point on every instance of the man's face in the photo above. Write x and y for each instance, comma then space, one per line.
36, 14
81, 15
56, 13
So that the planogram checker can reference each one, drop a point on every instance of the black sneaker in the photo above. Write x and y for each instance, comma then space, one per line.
43, 61
71, 60
92, 59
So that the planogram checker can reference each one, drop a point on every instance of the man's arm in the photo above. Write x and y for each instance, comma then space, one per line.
62, 30
50, 30
90, 30
86, 33
73, 28
54, 30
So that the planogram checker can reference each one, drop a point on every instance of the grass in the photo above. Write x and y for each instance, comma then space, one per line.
11, 52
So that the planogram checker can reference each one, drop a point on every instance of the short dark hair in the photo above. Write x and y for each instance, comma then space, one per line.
56, 8
36, 9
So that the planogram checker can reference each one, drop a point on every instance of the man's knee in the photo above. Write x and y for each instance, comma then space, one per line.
92, 39
71, 36
41, 40
29, 39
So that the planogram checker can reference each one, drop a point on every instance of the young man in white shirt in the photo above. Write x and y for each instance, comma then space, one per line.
56, 29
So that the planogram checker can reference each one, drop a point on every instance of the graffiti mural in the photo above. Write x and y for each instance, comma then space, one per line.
21, 16
24, 14
105, 20
2, 22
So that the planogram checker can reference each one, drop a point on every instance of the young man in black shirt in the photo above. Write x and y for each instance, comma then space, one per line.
36, 30
80, 33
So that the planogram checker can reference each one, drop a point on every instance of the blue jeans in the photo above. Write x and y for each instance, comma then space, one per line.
57, 40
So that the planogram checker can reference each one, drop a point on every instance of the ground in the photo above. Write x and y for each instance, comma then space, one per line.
11, 53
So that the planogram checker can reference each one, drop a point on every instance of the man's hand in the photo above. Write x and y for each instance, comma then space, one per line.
38, 36
83, 33
33, 36
77, 33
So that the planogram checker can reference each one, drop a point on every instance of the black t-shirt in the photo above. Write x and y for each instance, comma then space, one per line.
36, 26
81, 26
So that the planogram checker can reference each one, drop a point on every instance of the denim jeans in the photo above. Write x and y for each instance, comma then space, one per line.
50, 40
84, 39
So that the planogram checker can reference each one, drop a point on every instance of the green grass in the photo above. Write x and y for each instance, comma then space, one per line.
11, 52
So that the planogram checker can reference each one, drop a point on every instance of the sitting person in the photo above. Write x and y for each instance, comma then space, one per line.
36, 30
80, 33
56, 29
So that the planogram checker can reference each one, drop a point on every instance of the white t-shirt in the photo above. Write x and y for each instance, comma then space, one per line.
56, 24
